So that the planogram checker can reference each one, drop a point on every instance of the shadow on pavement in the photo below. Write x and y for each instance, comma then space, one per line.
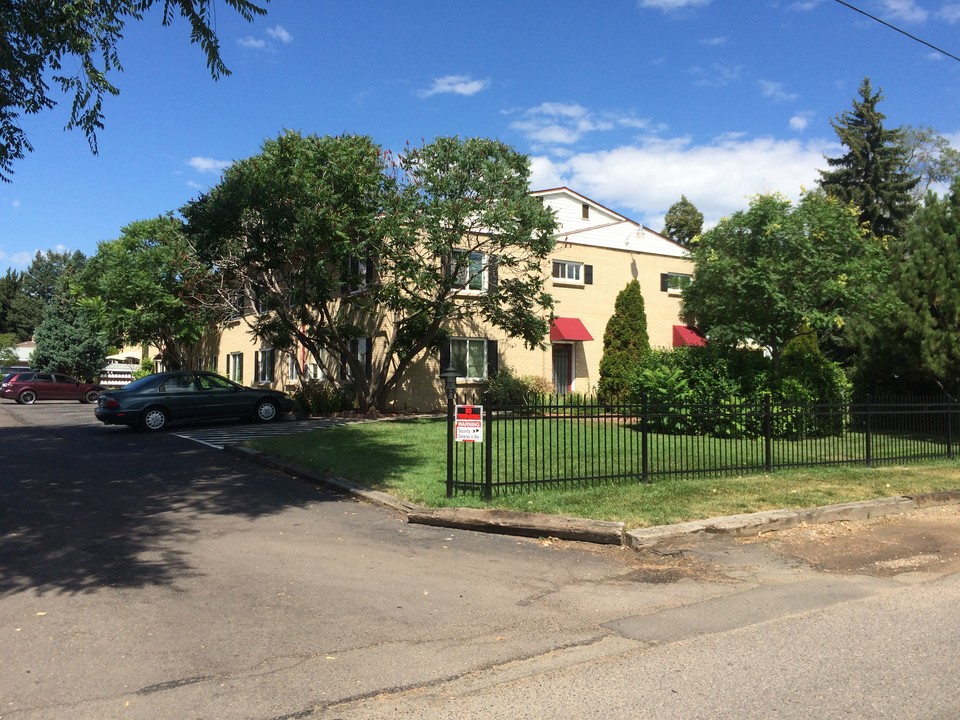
83, 507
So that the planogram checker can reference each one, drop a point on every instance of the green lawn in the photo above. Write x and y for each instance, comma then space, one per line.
408, 458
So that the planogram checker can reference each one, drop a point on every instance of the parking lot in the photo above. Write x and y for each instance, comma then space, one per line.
214, 434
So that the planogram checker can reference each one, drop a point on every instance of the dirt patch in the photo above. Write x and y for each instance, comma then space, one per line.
926, 540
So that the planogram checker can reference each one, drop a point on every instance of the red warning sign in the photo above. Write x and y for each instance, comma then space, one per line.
468, 423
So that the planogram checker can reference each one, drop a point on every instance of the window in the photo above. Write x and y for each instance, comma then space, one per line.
469, 357
358, 275
235, 367
585, 211
360, 349
313, 371
568, 272
469, 270
674, 283
263, 366
293, 368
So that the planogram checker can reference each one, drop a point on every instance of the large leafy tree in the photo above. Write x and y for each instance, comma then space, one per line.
912, 339
625, 344
148, 287
773, 272
337, 241
873, 172
683, 222
73, 45
930, 157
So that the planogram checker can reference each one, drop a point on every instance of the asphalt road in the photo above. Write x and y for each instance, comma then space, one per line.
149, 576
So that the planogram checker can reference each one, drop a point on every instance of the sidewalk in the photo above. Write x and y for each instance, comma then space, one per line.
510, 522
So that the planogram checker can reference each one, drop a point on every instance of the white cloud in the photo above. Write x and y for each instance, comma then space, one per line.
207, 165
905, 11
801, 120
719, 177
717, 75
280, 33
553, 123
950, 13
714, 41
669, 5
15, 203
775, 91
253, 43
455, 85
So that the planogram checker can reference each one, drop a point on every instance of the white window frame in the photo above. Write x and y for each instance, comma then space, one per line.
293, 368
265, 370
677, 289
466, 276
235, 367
468, 345
567, 272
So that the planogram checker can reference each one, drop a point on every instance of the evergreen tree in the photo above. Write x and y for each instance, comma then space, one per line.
68, 341
625, 343
918, 337
683, 222
872, 174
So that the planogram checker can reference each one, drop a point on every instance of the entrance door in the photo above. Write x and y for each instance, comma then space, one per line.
562, 368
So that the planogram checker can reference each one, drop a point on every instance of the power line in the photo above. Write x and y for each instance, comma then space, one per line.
902, 32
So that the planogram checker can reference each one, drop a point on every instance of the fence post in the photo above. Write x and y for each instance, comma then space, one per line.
866, 431
644, 455
950, 426
767, 434
450, 446
488, 456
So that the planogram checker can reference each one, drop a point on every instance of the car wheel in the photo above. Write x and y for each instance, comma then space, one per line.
267, 411
154, 419
90, 397
27, 397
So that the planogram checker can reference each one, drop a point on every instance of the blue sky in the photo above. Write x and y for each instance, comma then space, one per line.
632, 103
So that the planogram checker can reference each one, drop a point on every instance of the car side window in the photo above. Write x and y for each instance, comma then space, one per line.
179, 383
212, 382
64, 379
43, 377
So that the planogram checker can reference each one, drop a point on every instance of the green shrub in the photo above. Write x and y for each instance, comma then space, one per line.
625, 344
315, 397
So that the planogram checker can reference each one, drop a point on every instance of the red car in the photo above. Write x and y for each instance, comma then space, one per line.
28, 387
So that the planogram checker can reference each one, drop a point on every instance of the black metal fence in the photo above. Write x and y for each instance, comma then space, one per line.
557, 444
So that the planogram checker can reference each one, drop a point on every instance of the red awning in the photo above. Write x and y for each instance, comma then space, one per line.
682, 336
568, 329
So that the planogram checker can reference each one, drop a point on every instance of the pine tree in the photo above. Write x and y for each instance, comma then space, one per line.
625, 342
68, 341
872, 174
926, 280
683, 222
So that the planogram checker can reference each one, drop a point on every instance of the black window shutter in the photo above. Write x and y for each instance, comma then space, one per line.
343, 365
492, 274
445, 355
371, 272
493, 358
368, 369
664, 282
588, 274
256, 367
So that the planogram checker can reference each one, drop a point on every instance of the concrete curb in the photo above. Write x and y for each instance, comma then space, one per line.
509, 522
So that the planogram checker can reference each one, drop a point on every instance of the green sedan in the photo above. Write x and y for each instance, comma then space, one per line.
154, 401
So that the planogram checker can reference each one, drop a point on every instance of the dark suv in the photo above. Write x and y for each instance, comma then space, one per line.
28, 387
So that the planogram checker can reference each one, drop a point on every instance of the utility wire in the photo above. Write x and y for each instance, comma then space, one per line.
902, 32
